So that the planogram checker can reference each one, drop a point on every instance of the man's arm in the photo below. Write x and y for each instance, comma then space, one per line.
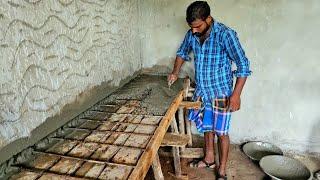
235, 100
237, 55
176, 69
182, 55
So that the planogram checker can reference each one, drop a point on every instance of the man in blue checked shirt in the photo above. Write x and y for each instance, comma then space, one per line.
215, 46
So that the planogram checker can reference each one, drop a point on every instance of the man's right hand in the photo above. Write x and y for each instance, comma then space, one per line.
172, 78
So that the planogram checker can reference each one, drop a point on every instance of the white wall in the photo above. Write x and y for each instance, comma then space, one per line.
281, 99
52, 52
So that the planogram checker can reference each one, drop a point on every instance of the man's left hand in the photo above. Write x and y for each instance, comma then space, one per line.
234, 103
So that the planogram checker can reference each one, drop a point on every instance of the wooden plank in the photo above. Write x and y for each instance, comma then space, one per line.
191, 105
174, 126
181, 123
152, 148
189, 153
156, 166
176, 161
181, 120
175, 140
188, 129
175, 150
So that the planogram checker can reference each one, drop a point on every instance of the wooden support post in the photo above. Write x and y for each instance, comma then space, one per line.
176, 160
156, 166
147, 157
188, 128
175, 150
174, 126
181, 123
181, 120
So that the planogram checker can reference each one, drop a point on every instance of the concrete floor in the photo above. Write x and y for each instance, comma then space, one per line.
240, 167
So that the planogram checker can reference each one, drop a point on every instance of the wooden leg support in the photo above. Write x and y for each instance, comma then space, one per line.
176, 155
188, 128
156, 166
181, 124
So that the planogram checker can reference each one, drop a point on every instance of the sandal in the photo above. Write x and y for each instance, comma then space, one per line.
195, 164
220, 177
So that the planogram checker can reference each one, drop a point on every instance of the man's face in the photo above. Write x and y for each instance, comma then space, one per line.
199, 27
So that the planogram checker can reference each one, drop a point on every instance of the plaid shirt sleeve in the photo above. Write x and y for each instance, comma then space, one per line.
185, 47
237, 54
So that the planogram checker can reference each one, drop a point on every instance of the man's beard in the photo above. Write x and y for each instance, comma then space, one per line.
198, 34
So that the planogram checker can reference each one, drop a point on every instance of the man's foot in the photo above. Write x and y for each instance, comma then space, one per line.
202, 164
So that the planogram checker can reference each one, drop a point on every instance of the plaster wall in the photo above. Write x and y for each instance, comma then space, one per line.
55, 54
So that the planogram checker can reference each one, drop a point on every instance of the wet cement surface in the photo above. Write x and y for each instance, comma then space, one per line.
153, 91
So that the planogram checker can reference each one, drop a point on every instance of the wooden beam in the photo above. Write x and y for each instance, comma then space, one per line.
188, 128
156, 166
189, 153
176, 161
148, 156
175, 140
191, 105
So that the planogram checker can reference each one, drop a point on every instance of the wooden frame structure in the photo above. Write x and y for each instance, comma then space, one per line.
114, 141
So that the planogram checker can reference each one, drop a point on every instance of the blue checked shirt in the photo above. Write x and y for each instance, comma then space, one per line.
213, 61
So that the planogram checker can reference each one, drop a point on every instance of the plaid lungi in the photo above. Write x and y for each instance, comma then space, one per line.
213, 116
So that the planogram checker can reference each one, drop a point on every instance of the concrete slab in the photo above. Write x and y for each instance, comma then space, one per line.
25, 175
66, 166
90, 170
105, 152
128, 156
115, 172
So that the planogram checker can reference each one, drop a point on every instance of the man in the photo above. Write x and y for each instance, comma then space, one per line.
215, 46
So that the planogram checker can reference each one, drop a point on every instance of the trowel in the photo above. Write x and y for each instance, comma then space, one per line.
168, 91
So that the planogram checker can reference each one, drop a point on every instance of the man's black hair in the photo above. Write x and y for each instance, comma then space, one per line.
197, 10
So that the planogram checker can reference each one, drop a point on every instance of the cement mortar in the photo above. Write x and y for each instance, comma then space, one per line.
153, 91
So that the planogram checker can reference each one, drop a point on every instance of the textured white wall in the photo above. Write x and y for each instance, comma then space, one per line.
281, 99
52, 51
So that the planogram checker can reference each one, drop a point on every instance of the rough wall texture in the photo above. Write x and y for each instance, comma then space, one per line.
281, 99
52, 51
